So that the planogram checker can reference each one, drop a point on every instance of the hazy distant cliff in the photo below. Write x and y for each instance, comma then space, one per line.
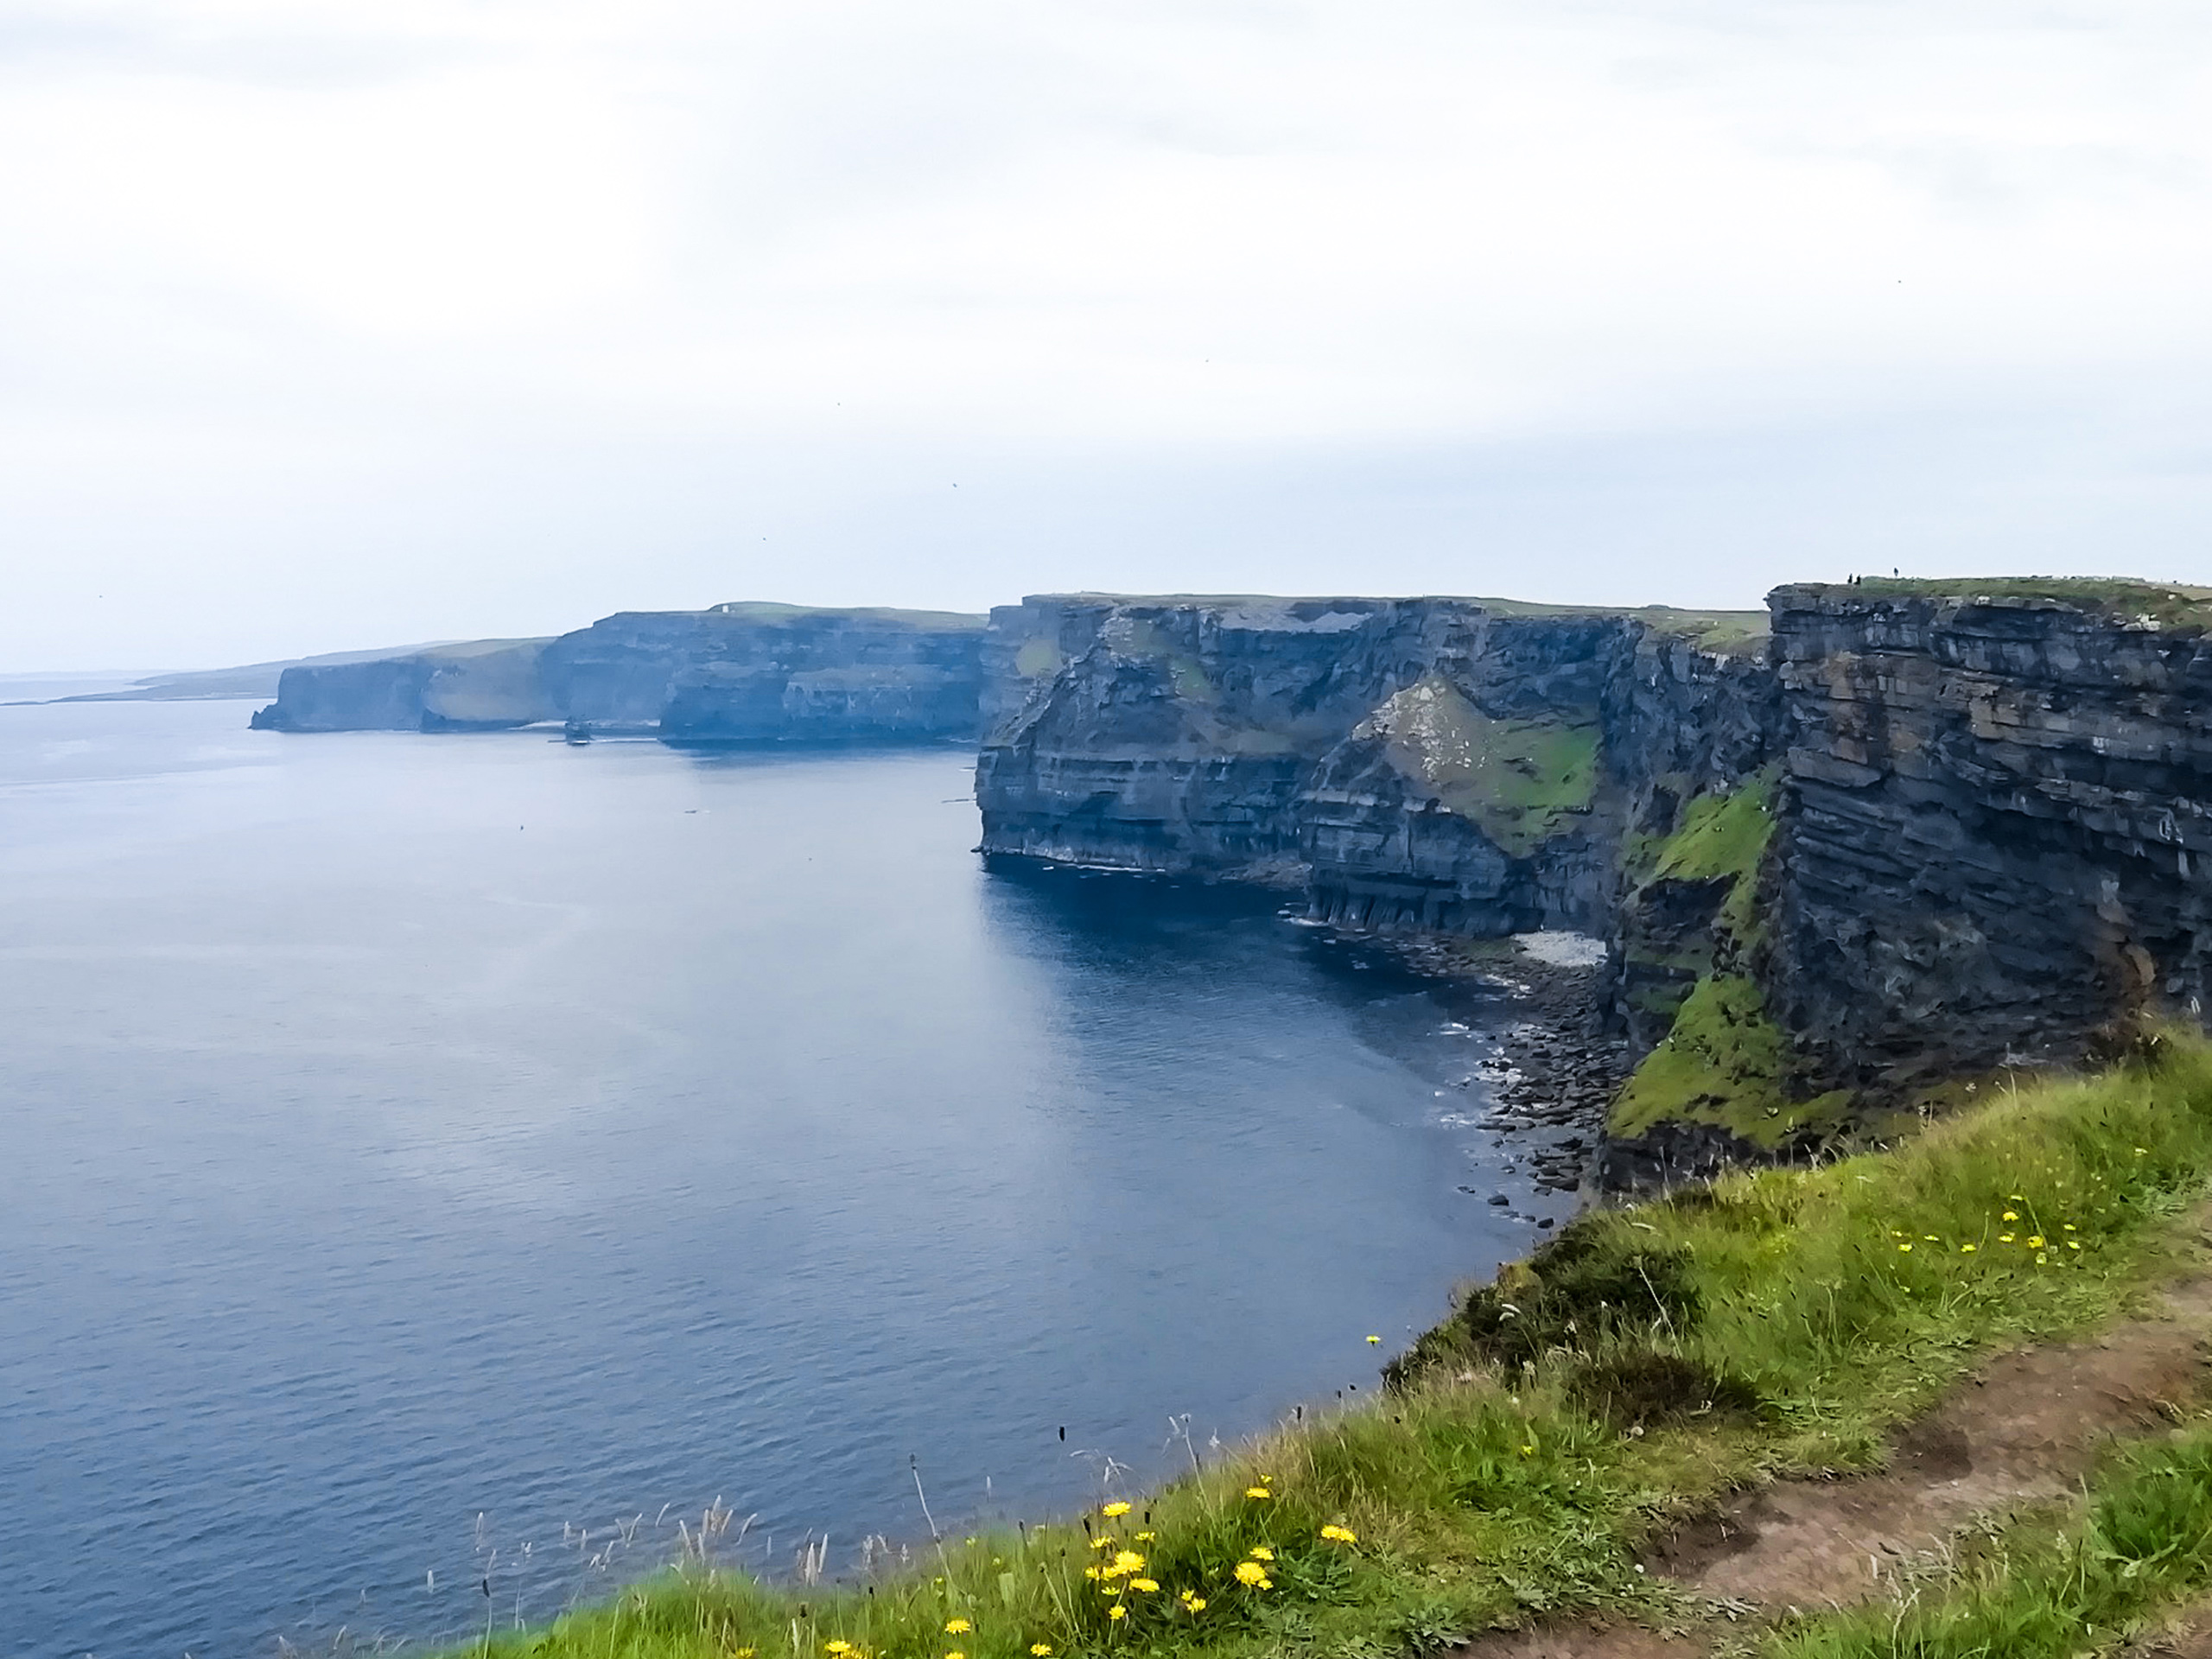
481, 685
739, 673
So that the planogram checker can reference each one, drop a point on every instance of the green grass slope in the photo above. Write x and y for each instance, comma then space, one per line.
1649, 1359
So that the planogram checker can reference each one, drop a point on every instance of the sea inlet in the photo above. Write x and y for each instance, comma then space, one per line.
433, 1168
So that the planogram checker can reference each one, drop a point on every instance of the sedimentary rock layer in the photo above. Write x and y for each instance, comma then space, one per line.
1997, 829
1446, 765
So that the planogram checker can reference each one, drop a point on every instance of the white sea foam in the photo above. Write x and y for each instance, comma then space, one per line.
1562, 949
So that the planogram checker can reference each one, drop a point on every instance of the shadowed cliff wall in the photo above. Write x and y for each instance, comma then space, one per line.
1996, 823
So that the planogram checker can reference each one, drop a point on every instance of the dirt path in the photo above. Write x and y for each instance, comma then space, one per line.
2026, 1427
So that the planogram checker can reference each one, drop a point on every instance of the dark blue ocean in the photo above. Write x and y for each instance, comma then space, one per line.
429, 1162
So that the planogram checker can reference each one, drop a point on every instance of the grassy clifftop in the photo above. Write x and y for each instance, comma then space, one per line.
1648, 1360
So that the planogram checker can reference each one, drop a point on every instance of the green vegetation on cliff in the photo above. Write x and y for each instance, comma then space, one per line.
1522, 781
1723, 1061
2166, 603
1650, 1359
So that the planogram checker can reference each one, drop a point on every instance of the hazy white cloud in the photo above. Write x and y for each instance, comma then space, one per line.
325, 323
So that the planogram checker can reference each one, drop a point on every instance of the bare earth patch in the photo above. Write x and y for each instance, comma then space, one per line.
2025, 1429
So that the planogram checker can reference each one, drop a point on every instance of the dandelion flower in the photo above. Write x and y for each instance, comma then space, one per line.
1528, 1451
1041, 1651
1336, 1535
1117, 1611
1929, 1238
1196, 1604
1262, 1552
1904, 1249
2036, 1241
956, 1654
1373, 1340
2012, 1215
1968, 1250
2004, 1238
1126, 1562
1252, 1573
2073, 1244
839, 1646
1089, 1572
1114, 1512
1146, 1584
1144, 1537
1257, 1491
957, 1627
2071, 1228
1102, 1543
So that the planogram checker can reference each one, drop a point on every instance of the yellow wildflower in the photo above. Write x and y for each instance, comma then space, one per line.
1146, 1584
2004, 1238
1115, 1510
1144, 1537
1528, 1451
2072, 1243
2010, 1215
1904, 1248
957, 1627
1336, 1535
1089, 1572
1128, 1560
839, 1646
1117, 1611
1375, 1339
2071, 1228
1968, 1250
956, 1654
1253, 1574
1102, 1543
1257, 1491
1196, 1604
1041, 1651
2036, 1243
1262, 1552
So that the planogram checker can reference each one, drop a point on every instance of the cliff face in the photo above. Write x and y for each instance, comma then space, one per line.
1997, 821
1174, 734
735, 673
1448, 764
753, 673
483, 685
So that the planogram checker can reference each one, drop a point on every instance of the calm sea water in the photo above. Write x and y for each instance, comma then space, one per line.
419, 1156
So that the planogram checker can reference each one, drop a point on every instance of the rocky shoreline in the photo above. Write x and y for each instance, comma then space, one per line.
1553, 1067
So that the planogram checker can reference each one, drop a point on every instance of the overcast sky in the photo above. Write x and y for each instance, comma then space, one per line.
335, 323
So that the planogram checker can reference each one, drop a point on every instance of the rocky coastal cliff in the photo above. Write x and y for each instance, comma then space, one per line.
480, 685
1909, 832
1996, 838
1880, 836
1453, 766
735, 673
